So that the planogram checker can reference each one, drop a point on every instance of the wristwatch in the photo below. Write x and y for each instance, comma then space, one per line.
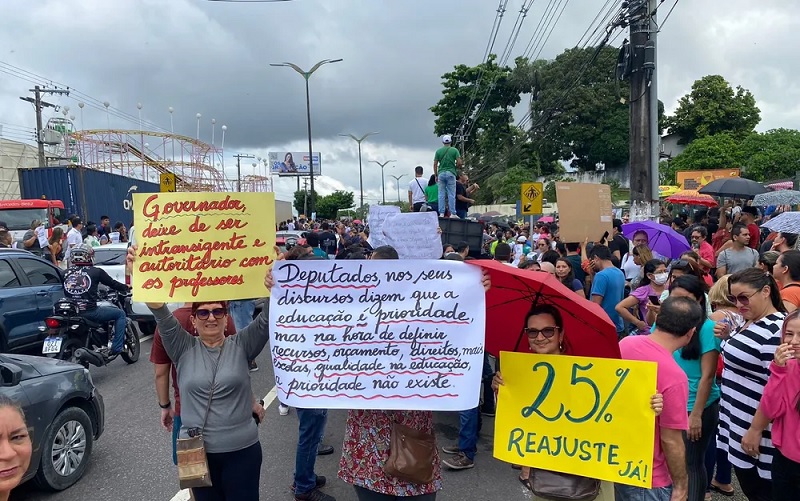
165, 406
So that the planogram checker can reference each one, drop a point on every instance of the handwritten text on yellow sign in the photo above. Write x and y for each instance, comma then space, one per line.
585, 416
202, 246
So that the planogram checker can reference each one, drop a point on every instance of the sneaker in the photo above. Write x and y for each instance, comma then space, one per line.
321, 481
451, 450
324, 450
253, 366
459, 462
283, 410
315, 495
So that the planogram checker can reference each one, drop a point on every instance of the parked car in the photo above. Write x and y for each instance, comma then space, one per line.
29, 287
111, 258
63, 408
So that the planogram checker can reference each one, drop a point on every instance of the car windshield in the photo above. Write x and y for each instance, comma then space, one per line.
21, 219
109, 257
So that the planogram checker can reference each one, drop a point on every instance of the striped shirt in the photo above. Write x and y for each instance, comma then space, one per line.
747, 356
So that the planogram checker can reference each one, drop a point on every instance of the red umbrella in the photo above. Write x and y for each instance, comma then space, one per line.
692, 197
588, 330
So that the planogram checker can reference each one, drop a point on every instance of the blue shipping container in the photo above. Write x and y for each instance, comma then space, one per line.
85, 192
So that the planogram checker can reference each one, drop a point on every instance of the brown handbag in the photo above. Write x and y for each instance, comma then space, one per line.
557, 486
192, 460
411, 455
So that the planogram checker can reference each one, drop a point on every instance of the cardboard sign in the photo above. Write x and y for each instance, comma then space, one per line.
579, 415
202, 246
415, 235
383, 334
584, 210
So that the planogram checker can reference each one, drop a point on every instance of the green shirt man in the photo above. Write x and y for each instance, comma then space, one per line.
447, 158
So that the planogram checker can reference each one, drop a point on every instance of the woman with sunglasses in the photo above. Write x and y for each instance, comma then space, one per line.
544, 328
698, 359
223, 416
781, 403
744, 430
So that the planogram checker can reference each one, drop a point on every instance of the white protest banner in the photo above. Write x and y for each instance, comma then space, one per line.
415, 235
41, 235
377, 215
383, 334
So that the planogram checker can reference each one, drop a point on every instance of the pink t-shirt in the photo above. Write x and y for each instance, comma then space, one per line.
671, 382
778, 403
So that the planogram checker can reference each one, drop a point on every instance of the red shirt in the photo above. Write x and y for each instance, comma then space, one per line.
755, 235
158, 355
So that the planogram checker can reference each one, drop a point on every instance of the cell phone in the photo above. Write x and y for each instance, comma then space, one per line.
654, 300
255, 417
605, 237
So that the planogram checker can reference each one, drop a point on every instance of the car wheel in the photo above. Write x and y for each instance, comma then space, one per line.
66, 450
131, 354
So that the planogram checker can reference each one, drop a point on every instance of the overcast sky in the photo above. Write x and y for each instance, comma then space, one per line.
213, 58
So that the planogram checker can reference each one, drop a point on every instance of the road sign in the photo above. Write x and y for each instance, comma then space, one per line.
531, 196
167, 182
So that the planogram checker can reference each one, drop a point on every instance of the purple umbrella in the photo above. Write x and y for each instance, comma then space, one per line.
662, 239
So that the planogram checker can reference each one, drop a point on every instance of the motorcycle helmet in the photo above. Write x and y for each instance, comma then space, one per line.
81, 255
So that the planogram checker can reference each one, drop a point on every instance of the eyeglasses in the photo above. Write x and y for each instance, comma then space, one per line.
204, 314
744, 299
547, 332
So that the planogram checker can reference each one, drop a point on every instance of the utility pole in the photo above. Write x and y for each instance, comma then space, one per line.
239, 158
39, 105
644, 137
383, 183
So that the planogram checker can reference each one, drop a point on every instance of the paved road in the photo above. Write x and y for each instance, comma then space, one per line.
132, 460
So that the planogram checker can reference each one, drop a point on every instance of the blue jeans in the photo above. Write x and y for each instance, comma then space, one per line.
176, 430
241, 312
103, 314
312, 428
631, 493
447, 192
468, 434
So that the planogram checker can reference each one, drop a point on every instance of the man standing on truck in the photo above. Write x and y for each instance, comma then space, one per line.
446, 163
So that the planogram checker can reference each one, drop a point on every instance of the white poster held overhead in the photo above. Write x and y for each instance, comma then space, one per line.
415, 235
377, 215
41, 235
384, 334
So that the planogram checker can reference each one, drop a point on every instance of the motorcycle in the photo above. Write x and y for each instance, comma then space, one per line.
76, 339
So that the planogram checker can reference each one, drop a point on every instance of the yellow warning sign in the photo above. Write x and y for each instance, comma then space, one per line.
531, 197
167, 182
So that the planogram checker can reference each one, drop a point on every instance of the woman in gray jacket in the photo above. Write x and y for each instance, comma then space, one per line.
229, 431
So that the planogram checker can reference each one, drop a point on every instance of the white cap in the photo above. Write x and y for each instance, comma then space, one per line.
521, 239
447, 139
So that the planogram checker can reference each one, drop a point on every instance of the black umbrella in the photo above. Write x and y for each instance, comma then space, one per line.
737, 187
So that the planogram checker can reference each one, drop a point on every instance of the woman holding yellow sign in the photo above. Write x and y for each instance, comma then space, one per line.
545, 332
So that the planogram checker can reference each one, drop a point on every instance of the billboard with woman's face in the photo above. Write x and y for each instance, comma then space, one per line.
293, 163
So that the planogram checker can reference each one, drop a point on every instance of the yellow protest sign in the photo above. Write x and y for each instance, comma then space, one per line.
579, 415
202, 246
531, 196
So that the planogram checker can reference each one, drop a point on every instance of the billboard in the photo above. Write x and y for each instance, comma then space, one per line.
292, 163
696, 179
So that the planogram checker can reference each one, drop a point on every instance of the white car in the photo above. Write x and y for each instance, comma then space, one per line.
111, 258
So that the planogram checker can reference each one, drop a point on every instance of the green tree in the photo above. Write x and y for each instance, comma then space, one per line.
328, 206
577, 115
772, 155
720, 151
505, 186
464, 91
300, 200
713, 107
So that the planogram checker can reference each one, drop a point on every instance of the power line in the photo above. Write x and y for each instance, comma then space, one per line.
661, 26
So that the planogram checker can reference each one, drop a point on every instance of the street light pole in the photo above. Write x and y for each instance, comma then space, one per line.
359, 140
306, 75
383, 183
239, 158
397, 179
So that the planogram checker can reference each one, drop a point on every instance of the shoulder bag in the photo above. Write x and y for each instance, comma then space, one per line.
192, 461
557, 486
411, 454
424, 207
